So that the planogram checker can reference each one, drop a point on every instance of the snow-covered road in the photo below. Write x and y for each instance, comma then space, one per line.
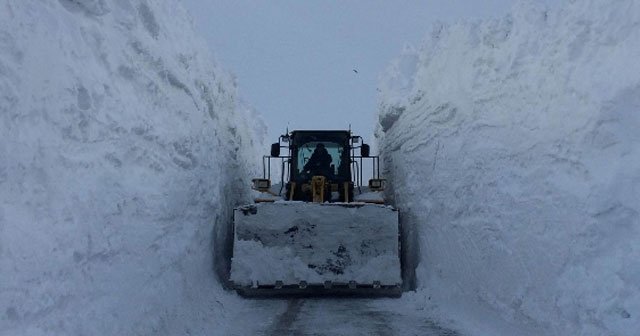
510, 147
331, 317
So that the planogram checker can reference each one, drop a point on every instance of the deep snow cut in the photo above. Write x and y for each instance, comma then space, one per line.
122, 146
513, 150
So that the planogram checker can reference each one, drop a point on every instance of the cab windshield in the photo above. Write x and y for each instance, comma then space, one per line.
306, 150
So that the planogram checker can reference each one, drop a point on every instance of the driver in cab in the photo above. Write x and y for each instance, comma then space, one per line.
320, 162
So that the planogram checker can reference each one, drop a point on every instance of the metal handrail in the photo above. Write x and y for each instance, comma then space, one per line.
266, 164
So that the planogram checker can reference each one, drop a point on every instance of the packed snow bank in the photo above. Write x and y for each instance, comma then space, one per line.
120, 146
513, 150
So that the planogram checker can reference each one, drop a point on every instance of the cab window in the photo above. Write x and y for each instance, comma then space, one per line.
306, 150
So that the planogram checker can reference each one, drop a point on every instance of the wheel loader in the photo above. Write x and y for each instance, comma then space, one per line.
319, 230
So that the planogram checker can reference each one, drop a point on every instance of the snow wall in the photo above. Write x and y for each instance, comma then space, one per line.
513, 149
122, 145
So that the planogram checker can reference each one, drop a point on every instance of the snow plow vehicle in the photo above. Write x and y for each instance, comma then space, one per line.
319, 231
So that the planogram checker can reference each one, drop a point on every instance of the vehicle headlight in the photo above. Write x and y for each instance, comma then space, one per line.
261, 184
376, 184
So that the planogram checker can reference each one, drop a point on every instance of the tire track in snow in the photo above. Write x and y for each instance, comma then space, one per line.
284, 322
349, 317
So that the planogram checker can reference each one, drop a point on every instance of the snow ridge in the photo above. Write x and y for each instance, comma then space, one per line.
512, 146
122, 145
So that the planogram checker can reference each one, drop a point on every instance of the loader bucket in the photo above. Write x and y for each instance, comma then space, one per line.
297, 248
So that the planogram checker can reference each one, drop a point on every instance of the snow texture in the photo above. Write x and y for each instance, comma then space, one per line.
122, 146
297, 241
513, 151
368, 196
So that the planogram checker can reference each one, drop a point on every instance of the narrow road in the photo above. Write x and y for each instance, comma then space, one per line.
319, 317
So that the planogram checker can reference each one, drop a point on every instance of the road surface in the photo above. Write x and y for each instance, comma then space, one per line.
331, 317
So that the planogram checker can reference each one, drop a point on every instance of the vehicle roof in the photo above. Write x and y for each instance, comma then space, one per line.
303, 132
321, 131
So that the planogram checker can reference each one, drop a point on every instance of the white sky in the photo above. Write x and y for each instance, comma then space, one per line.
294, 59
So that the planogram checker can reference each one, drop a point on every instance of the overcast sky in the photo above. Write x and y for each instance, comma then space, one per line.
294, 59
